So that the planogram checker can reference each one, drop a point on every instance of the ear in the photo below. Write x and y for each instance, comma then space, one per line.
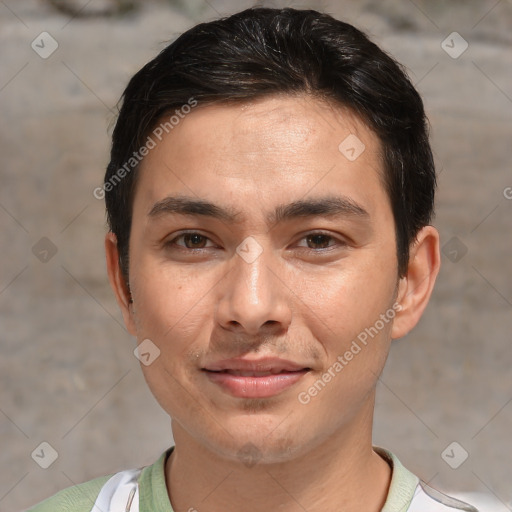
415, 288
118, 282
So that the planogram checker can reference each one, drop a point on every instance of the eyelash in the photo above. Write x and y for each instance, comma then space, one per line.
172, 243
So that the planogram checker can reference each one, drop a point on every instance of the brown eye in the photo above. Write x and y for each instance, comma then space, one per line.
194, 240
318, 241
190, 241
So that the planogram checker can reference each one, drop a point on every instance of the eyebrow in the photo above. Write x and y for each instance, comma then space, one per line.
330, 206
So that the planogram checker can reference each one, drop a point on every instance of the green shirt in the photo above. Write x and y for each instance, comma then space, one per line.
406, 492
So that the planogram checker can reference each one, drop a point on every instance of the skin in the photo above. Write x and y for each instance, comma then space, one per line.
304, 299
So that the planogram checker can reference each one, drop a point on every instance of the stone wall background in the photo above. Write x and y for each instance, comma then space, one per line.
68, 376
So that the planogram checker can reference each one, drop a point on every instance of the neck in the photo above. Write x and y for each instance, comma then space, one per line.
342, 473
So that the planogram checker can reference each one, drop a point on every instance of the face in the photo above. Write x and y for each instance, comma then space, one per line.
262, 254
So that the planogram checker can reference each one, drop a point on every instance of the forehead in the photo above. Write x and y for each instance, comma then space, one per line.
277, 123
270, 147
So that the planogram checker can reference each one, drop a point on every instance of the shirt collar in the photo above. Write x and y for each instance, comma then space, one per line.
403, 483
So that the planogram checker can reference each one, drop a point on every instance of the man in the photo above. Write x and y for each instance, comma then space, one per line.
269, 196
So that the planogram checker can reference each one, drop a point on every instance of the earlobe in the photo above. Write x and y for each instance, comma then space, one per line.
118, 282
415, 288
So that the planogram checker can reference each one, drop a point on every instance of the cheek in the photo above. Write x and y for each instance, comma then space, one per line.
168, 298
172, 309
339, 304
343, 311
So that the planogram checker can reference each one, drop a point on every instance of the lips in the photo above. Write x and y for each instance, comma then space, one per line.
267, 364
260, 378
242, 373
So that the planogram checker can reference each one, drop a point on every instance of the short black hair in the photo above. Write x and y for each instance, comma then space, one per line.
262, 52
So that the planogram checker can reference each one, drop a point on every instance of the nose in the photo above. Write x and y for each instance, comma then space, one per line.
253, 299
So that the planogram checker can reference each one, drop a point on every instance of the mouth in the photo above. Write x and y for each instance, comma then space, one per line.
242, 373
262, 378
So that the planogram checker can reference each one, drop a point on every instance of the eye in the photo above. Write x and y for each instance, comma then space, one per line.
321, 241
190, 241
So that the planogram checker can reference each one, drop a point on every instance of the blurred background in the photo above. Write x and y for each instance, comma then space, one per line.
68, 376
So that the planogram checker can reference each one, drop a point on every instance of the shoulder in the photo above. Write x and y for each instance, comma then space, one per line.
83, 497
79, 498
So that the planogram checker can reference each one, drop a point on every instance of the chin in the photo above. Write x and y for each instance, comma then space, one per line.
258, 441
